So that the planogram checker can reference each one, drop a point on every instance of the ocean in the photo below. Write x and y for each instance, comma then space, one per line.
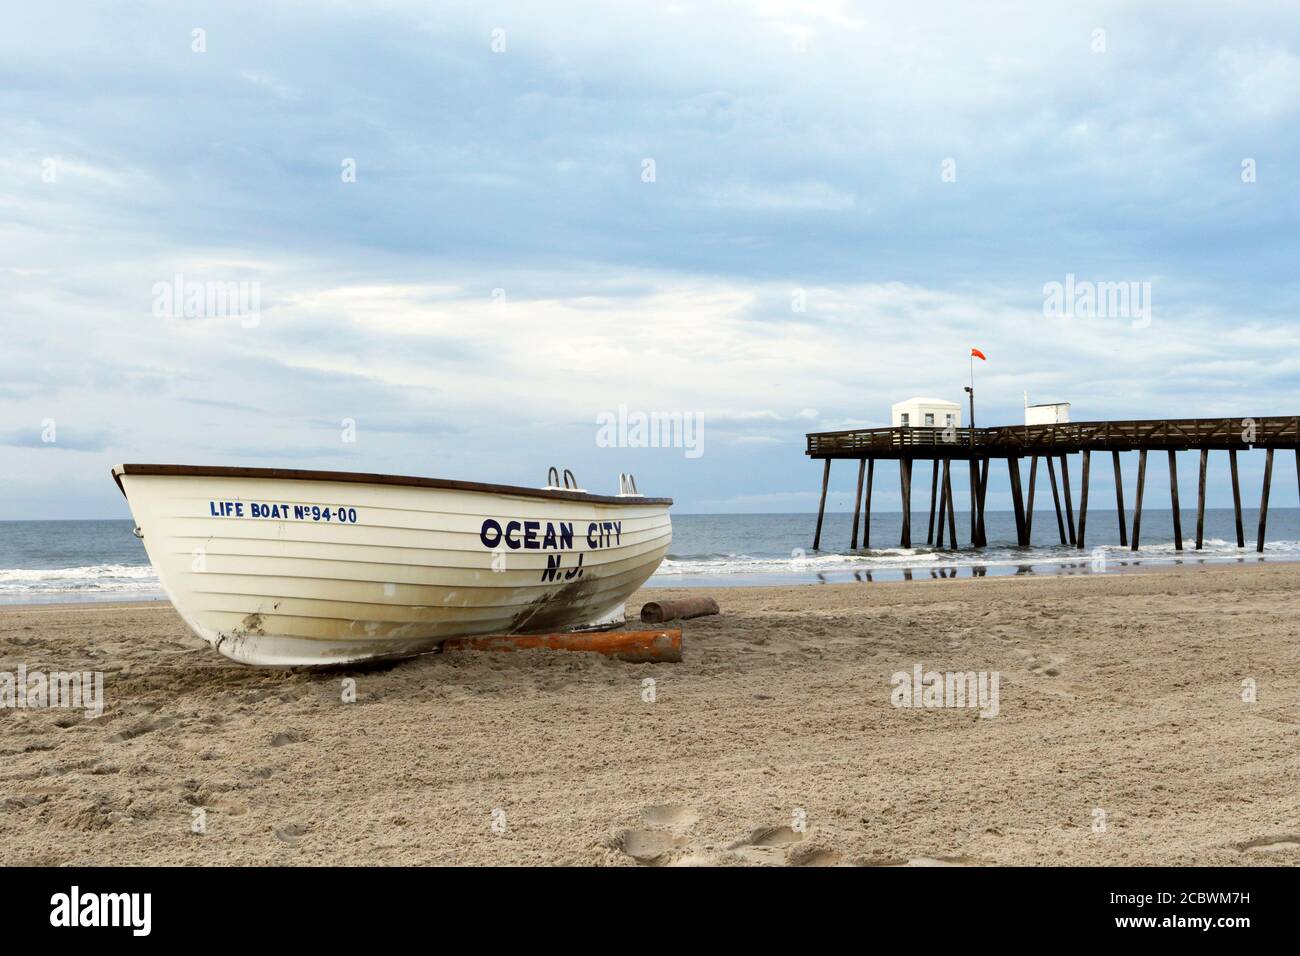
47, 561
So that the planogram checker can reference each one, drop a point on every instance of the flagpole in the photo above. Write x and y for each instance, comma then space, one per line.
971, 392
977, 536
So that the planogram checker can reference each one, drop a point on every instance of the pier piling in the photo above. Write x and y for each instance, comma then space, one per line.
975, 496
1263, 499
1137, 507
866, 506
952, 510
821, 508
943, 511
905, 478
934, 490
1056, 498
1173, 500
1236, 497
857, 503
1013, 467
1069, 505
984, 488
1084, 467
1200, 500
1029, 502
1119, 500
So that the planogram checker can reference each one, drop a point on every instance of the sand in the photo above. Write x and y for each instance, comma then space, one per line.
774, 742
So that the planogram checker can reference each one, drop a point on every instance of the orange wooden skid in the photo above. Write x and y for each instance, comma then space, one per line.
634, 646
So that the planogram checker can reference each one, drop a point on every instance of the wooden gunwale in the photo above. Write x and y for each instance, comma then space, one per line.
362, 478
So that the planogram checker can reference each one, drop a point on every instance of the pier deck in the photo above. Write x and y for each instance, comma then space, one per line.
1053, 444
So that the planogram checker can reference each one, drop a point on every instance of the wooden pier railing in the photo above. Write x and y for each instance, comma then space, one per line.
1053, 443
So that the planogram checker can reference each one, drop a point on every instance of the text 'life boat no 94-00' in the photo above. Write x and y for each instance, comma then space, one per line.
281, 567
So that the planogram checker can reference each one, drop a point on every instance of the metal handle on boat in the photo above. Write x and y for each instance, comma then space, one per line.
570, 480
627, 484
552, 477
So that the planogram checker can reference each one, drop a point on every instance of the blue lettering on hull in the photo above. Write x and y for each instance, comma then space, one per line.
282, 511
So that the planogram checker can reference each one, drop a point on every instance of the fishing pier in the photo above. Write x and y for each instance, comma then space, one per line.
1053, 444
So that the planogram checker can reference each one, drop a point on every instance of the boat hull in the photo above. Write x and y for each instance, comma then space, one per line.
279, 570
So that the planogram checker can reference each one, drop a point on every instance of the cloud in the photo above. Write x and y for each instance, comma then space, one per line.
777, 197
48, 437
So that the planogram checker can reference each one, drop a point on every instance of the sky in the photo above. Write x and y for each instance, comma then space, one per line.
466, 232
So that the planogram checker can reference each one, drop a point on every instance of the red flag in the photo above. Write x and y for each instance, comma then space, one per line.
979, 355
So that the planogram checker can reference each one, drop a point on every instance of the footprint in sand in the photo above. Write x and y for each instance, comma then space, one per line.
649, 846
141, 728
1271, 844
291, 833
657, 843
813, 856
1041, 665
767, 845
663, 841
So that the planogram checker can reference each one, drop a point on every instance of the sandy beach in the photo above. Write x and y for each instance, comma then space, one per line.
1121, 737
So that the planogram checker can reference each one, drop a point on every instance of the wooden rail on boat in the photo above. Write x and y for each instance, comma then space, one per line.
1053, 443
